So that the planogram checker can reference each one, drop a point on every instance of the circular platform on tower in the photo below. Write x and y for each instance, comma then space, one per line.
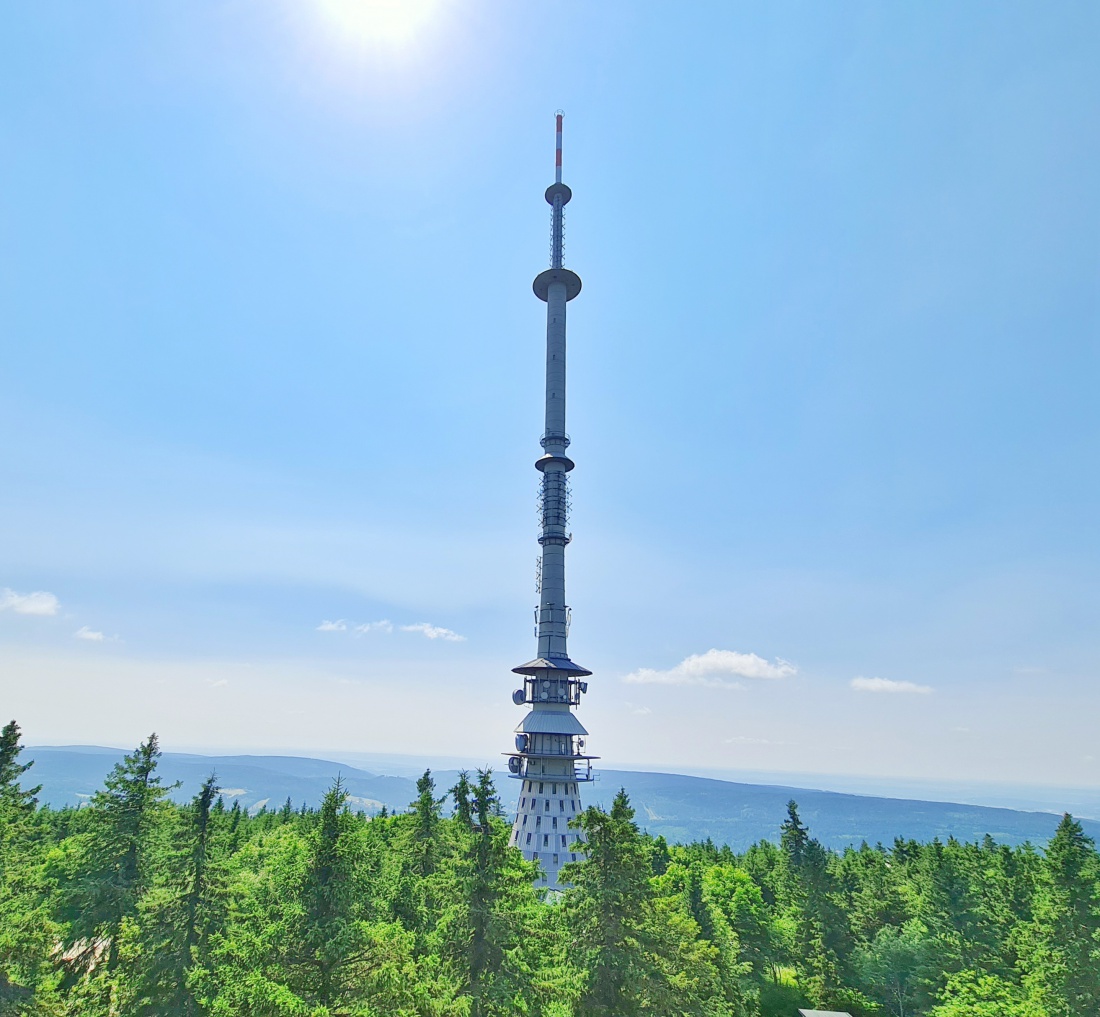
542, 282
543, 461
554, 190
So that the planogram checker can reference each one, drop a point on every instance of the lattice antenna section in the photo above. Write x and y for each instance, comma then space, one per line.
555, 500
557, 234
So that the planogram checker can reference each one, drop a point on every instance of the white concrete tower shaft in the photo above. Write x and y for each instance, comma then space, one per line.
549, 757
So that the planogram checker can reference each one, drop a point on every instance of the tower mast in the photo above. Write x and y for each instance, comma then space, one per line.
549, 757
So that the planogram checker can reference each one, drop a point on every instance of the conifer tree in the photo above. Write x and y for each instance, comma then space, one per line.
607, 910
1062, 945
327, 941
487, 926
427, 812
821, 933
698, 907
234, 831
16, 802
27, 932
659, 856
410, 888
461, 792
296, 940
485, 953
197, 896
176, 917
113, 867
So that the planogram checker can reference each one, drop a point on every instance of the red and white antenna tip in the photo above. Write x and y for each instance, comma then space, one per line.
557, 153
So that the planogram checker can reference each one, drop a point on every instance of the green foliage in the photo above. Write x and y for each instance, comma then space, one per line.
607, 911
169, 941
135, 907
973, 994
15, 801
107, 869
897, 967
809, 891
27, 929
1060, 948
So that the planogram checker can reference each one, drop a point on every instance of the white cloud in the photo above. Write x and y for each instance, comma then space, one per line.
39, 602
430, 631
385, 625
888, 685
714, 669
220, 683
749, 740
638, 711
89, 634
333, 626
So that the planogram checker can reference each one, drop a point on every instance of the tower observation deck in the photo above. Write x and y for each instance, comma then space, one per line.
549, 757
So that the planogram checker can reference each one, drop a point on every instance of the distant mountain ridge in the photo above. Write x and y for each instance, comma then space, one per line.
677, 806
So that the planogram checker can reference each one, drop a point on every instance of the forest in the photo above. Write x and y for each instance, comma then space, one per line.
134, 906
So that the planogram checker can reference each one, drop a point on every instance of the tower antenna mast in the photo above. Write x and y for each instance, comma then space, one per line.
549, 757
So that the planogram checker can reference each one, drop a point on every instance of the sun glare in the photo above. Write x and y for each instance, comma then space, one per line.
379, 22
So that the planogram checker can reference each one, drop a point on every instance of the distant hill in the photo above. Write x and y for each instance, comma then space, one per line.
70, 775
686, 808
682, 808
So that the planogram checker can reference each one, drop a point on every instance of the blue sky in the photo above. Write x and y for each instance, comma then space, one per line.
271, 358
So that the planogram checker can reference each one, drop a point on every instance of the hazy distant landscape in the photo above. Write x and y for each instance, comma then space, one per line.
682, 808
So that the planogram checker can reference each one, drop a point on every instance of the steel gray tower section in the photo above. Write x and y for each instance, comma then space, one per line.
549, 758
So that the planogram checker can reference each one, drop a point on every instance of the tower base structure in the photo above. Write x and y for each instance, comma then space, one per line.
551, 764
541, 830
